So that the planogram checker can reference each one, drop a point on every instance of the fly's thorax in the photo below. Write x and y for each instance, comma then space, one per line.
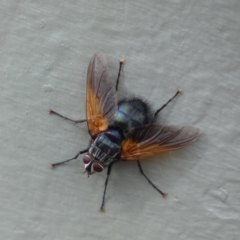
104, 149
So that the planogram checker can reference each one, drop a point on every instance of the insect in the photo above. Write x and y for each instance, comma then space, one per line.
124, 130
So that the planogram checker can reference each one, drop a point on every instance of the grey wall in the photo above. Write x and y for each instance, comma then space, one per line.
45, 48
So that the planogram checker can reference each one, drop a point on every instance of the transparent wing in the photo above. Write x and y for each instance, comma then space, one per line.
154, 139
101, 102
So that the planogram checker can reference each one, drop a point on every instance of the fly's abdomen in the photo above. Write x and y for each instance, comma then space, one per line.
131, 113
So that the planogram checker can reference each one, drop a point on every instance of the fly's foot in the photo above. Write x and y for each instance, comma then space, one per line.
101, 209
50, 111
179, 90
164, 194
122, 60
52, 165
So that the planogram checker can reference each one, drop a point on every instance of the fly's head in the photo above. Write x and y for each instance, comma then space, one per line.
92, 165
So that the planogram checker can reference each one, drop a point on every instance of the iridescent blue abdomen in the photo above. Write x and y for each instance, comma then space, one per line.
131, 113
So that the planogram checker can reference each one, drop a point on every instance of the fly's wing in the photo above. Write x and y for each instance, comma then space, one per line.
153, 139
101, 102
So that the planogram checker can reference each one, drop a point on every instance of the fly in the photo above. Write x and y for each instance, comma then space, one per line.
124, 130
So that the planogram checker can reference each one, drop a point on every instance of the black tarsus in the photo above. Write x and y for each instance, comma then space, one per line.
121, 62
164, 105
60, 163
50, 111
105, 188
141, 171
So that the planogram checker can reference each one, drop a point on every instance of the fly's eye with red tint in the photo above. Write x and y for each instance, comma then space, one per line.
97, 167
87, 159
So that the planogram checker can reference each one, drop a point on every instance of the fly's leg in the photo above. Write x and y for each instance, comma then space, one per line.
164, 105
60, 163
105, 188
121, 62
50, 111
141, 171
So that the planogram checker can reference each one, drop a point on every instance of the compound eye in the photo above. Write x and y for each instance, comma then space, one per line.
87, 159
97, 167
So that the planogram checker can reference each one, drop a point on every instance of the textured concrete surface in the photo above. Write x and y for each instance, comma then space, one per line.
45, 49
